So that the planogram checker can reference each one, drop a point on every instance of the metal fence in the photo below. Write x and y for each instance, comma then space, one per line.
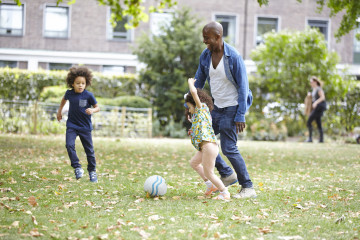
40, 117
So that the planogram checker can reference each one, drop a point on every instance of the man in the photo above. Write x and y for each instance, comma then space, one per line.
222, 66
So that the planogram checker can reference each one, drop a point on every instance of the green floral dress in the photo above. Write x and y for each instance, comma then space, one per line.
201, 128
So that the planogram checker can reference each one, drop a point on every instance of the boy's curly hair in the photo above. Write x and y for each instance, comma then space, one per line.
204, 98
75, 72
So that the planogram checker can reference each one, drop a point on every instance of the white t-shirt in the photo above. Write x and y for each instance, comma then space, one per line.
222, 90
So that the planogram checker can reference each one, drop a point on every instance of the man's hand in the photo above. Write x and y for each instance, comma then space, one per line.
240, 126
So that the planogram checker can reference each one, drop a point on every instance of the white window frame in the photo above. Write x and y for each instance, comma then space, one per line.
23, 20
69, 20
130, 34
321, 19
152, 15
113, 73
237, 23
265, 16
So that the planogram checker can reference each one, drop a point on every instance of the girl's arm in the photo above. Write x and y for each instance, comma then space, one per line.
193, 92
62, 103
95, 109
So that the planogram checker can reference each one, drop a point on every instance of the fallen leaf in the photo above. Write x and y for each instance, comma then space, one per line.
35, 233
339, 220
15, 224
154, 218
290, 237
139, 200
32, 201
144, 234
103, 236
265, 230
34, 220
298, 206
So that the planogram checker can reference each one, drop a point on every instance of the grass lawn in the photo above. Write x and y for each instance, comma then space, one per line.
305, 191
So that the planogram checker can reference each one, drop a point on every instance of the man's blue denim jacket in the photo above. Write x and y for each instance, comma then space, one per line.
235, 71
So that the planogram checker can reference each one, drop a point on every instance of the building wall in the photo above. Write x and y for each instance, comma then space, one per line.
88, 29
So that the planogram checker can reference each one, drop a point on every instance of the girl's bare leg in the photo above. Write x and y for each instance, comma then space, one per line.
195, 163
209, 152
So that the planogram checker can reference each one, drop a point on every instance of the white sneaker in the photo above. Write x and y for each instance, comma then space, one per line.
246, 193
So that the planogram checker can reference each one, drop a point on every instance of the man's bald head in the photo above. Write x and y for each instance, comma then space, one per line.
214, 27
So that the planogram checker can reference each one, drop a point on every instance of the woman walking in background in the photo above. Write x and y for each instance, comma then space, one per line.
318, 107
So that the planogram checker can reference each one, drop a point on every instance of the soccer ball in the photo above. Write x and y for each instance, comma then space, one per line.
155, 186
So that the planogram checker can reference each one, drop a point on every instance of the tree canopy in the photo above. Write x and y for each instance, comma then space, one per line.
170, 59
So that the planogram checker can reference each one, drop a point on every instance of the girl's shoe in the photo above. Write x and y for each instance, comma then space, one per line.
223, 196
211, 189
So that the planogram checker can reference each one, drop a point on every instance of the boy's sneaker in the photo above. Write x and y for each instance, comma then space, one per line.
210, 190
78, 172
229, 180
93, 176
246, 193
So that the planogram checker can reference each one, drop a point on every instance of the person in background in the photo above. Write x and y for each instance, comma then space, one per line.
318, 108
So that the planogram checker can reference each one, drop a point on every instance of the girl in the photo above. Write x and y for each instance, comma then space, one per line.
79, 119
204, 140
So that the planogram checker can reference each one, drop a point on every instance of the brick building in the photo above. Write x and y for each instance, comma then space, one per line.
38, 34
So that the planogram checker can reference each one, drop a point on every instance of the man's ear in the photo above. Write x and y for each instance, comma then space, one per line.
218, 36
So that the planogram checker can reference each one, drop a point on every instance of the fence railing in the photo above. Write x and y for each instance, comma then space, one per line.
40, 117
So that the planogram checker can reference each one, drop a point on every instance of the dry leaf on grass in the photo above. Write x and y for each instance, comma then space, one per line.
34, 220
35, 233
32, 201
103, 236
154, 218
265, 230
290, 238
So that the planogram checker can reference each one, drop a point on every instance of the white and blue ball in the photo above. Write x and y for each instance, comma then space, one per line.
155, 186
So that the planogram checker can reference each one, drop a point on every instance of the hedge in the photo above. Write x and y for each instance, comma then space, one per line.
28, 85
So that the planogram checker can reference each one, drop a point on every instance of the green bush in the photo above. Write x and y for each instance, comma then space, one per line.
125, 101
20, 119
53, 92
264, 129
29, 85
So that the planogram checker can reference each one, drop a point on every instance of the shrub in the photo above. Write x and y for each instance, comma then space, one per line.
28, 85
125, 101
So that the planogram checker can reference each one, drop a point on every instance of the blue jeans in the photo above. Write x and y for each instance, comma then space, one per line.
223, 123
86, 140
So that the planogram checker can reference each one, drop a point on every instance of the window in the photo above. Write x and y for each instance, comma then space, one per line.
113, 70
56, 22
357, 45
229, 27
119, 32
59, 66
321, 25
160, 21
11, 19
265, 25
10, 64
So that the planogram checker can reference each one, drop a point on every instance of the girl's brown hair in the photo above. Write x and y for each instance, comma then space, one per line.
204, 98
75, 72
